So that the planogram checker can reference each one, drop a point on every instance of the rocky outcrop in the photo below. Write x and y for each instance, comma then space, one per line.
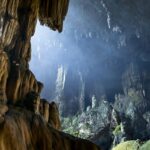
17, 24
93, 124
73, 91
133, 104
54, 116
126, 118
34, 133
52, 13
23, 114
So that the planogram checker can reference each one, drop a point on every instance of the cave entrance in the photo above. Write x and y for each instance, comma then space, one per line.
73, 64
48, 53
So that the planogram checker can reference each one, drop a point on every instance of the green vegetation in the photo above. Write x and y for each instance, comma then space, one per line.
74, 127
89, 122
128, 145
117, 130
133, 145
145, 146
70, 126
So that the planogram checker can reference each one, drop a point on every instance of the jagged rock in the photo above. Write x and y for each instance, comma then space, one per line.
130, 113
9, 32
54, 119
72, 86
45, 109
50, 113
17, 24
52, 13
131, 105
33, 133
94, 124
103, 138
21, 83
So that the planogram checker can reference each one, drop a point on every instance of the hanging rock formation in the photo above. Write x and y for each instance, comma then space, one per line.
17, 24
23, 115
33, 133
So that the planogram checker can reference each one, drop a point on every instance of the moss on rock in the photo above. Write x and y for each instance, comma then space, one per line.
133, 145
128, 145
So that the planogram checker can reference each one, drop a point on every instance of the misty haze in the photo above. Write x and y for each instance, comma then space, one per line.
99, 63
74, 74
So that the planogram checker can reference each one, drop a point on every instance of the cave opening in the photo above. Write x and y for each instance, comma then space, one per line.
96, 69
81, 62
96, 72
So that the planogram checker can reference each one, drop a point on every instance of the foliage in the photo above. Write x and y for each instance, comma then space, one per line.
133, 145
117, 130
87, 123
145, 146
128, 145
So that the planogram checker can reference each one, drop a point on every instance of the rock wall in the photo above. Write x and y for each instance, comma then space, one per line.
33, 133
17, 24
23, 115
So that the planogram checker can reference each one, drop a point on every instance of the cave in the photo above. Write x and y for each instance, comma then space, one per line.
74, 75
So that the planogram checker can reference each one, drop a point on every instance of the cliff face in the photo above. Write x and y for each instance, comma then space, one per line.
31, 125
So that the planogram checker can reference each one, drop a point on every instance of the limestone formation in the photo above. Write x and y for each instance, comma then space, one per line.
45, 109
32, 102
3, 110
23, 130
50, 113
54, 116
17, 24
22, 126
52, 13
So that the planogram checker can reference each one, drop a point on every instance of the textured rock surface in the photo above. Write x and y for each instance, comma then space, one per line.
34, 133
127, 118
17, 24
110, 44
93, 124
29, 126
3, 75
